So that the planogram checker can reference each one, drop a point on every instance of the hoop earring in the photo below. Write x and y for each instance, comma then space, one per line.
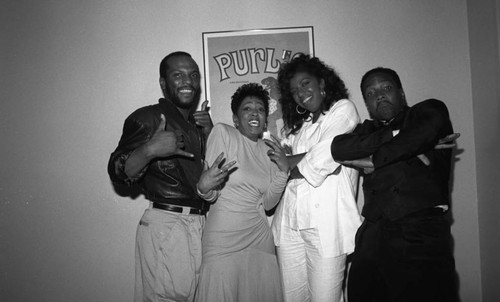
297, 109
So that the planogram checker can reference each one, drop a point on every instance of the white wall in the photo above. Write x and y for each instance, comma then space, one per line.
73, 70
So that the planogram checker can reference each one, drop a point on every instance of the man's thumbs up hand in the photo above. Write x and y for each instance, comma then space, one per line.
203, 119
163, 124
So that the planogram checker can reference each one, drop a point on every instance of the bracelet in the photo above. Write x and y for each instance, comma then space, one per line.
210, 196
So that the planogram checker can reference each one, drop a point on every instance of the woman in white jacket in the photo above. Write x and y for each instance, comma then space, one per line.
315, 223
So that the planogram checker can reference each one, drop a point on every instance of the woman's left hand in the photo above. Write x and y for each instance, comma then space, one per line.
277, 154
215, 175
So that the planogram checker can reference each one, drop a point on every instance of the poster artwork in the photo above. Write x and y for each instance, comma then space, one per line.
234, 58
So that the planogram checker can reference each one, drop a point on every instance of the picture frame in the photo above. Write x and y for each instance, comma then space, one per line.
233, 58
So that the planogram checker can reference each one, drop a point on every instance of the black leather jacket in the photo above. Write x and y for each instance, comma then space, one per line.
169, 180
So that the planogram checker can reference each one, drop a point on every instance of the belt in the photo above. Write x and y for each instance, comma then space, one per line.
177, 209
430, 212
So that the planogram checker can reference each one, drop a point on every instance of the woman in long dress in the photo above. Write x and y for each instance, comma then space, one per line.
239, 260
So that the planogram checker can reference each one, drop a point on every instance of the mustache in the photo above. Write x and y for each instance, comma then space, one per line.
188, 87
384, 102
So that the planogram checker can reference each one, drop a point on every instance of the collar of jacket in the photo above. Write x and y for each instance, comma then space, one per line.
396, 122
168, 106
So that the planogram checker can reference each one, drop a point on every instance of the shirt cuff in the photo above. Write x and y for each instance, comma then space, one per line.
210, 196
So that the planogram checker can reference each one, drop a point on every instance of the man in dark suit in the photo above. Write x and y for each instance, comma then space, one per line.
403, 248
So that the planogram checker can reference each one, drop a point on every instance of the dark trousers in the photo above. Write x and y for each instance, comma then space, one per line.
409, 259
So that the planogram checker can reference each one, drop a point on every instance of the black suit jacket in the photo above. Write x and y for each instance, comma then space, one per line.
401, 183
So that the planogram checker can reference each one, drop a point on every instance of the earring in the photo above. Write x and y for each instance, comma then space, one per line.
297, 109
236, 125
323, 93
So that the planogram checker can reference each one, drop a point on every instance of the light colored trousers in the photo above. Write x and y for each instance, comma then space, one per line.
307, 275
167, 256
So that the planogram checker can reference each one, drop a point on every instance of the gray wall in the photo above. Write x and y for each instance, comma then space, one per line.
483, 19
71, 71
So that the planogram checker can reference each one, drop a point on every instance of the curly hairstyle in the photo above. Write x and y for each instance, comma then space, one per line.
246, 90
334, 87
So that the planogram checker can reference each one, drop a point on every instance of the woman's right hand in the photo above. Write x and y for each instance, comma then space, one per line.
214, 176
277, 154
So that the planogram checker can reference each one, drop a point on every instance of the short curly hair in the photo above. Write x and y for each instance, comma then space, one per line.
334, 87
246, 90
164, 63
383, 70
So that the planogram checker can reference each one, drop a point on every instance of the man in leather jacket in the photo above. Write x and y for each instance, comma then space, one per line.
403, 248
162, 150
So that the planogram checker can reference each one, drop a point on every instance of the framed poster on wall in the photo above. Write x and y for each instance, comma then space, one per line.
234, 58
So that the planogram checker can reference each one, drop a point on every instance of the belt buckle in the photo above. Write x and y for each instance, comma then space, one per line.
186, 210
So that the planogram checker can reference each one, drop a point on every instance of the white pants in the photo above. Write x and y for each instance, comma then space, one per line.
306, 274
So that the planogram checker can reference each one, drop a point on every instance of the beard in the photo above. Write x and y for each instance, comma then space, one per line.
385, 111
